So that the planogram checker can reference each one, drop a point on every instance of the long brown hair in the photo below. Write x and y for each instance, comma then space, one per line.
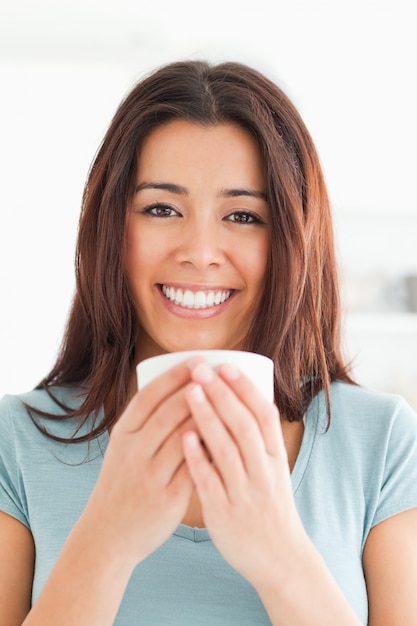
297, 322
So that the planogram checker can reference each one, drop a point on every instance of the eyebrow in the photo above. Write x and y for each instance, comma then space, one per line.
235, 193
180, 190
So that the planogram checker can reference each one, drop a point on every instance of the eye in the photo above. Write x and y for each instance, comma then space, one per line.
244, 217
160, 210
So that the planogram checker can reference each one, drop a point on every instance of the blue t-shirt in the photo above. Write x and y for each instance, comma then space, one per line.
347, 479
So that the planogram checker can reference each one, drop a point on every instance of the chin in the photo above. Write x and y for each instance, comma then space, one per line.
206, 345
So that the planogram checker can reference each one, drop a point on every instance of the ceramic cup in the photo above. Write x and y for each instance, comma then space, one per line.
259, 368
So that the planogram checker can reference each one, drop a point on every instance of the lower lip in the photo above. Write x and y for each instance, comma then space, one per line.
196, 314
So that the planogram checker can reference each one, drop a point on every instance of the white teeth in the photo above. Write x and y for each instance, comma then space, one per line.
177, 296
200, 300
188, 300
195, 300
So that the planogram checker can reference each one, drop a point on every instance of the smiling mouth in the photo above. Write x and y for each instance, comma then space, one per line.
196, 299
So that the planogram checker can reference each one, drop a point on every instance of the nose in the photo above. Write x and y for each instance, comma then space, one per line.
200, 245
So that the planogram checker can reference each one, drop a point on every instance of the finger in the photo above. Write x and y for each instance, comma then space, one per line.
181, 481
241, 426
242, 423
170, 456
267, 414
148, 399
177, 494
206, 479
160, 425
221, 446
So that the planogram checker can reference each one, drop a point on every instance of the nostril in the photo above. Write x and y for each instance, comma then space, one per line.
201, 251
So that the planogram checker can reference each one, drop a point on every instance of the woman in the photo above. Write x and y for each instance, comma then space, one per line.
206, 224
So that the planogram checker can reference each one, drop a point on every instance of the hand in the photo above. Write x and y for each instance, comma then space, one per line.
144, 487
241, 473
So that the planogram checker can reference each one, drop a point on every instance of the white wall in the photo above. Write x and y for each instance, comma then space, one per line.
348, 66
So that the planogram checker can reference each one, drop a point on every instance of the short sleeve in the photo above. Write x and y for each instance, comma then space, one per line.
398, 490
11, 489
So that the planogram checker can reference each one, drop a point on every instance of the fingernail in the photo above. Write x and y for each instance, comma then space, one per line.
198, 394
230, 371
191, 440
203, 373
194, 361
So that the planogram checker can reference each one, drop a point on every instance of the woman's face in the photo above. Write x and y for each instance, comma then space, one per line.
197, 239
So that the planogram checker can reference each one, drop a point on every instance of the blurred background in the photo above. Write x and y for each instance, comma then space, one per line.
349, 67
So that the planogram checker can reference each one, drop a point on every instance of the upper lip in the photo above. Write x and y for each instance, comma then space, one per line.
197, 287
200, 298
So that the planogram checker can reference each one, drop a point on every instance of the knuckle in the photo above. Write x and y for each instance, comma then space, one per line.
275, 411
245, 428
228, 452
271, 413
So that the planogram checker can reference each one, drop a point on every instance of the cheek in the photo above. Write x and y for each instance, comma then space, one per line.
140, 253
256, 261
134, 266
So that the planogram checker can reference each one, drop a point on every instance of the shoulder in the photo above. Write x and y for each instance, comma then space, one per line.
374, 434
42, 400
370, 412
370, 432
17, 412
364, 398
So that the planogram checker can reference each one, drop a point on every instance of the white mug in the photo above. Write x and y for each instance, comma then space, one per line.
257, 367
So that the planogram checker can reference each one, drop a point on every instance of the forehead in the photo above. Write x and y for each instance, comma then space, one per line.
181, 145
